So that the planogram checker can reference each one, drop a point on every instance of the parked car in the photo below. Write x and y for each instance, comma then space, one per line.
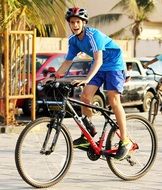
79, 68
45, 63
138, 91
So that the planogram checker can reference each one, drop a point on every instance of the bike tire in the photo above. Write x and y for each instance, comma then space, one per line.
141, 159
40, 170
153, 110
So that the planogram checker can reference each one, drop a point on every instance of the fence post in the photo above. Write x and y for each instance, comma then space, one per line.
34, 75
6, 75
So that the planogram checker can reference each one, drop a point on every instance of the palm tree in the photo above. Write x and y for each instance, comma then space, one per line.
137, 11
24, 15
35, 13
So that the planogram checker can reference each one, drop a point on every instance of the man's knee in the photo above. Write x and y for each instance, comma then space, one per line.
84, 98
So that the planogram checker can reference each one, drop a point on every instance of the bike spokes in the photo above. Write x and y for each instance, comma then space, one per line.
45, 168
142, 155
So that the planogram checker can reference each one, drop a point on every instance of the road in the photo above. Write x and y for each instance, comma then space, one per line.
83, 174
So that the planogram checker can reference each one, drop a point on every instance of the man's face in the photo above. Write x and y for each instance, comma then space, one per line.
76, 25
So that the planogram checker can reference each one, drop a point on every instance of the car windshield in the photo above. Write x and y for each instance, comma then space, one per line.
40, 59
157, 67
79, 68
56, 62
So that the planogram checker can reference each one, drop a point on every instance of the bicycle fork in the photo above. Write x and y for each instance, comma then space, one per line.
54, 124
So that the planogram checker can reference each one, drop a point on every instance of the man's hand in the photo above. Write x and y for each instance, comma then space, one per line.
79, 82
45, 80
145, 65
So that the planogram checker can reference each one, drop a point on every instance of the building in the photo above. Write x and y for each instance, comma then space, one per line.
151, 31
151, 36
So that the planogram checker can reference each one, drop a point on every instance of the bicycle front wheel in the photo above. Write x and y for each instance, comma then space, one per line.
140, 159
38, 169
153, 110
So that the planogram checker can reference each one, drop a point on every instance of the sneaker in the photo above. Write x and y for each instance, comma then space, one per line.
89, 126
123, 150
81, 142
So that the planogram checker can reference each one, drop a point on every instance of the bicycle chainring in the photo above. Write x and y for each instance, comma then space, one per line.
91, 154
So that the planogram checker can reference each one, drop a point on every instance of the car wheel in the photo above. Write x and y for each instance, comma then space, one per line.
27, 107
146, 102
97, 101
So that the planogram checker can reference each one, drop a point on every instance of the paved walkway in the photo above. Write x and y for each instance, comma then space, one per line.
83, 174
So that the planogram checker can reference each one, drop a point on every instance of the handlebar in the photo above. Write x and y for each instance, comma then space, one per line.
54, 84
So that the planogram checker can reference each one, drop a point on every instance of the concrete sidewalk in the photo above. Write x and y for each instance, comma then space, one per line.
83, 174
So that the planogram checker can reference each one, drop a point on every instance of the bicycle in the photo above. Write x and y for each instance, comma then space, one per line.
156, 100
44, 149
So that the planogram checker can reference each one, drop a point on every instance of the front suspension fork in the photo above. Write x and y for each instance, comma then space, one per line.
55, 123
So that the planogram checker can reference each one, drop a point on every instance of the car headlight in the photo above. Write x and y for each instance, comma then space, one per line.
39, 86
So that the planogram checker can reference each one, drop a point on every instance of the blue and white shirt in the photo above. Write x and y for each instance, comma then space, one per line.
93, 41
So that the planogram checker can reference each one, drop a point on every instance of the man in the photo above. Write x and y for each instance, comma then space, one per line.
108, 69
157, 58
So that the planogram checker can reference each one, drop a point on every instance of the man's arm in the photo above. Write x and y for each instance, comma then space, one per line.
150, 62
94, 69
96, 65
64, 67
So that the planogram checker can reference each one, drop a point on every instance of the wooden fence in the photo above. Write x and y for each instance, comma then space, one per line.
18, 72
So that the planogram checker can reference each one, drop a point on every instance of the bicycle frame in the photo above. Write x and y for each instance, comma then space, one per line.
156, 100
159, 93
49, 141
96, 146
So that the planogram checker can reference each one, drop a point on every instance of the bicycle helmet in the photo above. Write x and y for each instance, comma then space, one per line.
76, 12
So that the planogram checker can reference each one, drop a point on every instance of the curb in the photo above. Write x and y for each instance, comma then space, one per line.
12, 128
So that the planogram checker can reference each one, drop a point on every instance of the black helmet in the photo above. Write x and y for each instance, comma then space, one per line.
76, 12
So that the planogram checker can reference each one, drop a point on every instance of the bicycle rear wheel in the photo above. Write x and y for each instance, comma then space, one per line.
139, 161
153, 110
37, 169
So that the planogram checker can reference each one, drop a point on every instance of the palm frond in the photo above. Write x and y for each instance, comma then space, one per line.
118, 33
38, 13
126, 5
104, 18
121, 31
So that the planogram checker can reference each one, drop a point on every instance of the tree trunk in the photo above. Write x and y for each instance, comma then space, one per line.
134, 46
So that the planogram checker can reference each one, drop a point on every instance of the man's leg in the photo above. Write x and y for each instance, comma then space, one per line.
86, 97
114, 100
125, 144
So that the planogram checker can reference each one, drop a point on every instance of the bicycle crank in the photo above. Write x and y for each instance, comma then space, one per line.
91, 154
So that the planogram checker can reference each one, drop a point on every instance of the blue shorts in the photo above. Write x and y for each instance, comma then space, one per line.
112, 80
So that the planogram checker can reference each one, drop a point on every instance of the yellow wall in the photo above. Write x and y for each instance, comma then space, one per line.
61, 45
